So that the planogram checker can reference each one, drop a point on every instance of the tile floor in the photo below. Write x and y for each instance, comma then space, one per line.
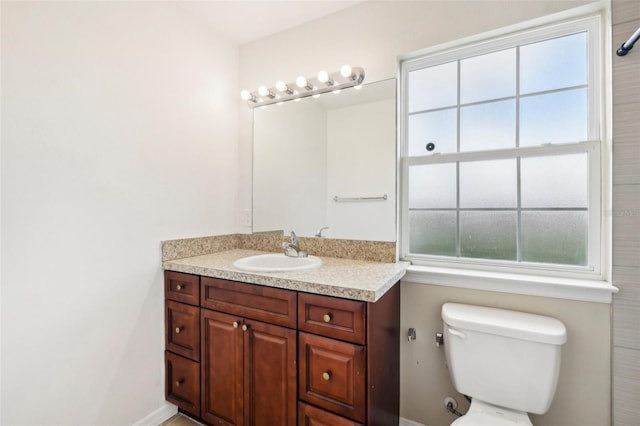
181, 420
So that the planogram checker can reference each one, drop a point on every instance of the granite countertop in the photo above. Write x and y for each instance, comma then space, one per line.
350, 279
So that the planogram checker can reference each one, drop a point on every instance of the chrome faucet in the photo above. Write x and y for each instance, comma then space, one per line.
319, 233
291, 248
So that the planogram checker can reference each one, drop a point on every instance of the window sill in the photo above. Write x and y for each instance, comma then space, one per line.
560, 288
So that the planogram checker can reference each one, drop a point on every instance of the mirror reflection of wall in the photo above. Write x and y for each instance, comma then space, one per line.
309, 151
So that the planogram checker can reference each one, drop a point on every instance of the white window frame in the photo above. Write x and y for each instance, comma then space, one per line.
572, 282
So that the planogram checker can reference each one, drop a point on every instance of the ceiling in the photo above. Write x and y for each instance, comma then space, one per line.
244, 21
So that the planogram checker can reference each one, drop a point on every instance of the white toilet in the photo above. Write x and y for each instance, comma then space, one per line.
506, 361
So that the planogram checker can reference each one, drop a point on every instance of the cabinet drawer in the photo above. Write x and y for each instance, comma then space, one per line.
332, 375
332, 317
182, 383
272, 305
181, 287
182, 329
308, 415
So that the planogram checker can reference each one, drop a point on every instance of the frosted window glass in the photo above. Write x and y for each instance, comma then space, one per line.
554, 237
489, 76
557, 181
554, 64
488, 126
486, 184
432, 186
432, 232
488, 235
439, 128
433, 87
554, 118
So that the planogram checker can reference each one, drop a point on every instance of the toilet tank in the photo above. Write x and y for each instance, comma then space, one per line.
506, 358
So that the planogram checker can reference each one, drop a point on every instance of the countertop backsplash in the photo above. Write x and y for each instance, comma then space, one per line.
374, 251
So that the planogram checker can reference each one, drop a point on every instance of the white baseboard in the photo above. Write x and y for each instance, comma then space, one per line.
167, 411
407, 422
158, 416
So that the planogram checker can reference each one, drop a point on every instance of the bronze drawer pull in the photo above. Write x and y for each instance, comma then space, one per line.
326, 375
327, 317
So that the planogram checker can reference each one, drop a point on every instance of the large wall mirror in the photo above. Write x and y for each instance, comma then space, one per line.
328, 162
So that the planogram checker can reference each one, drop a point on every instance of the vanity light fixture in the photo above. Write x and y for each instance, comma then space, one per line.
347, 72
323, 77
248, 96
264, 92
303, 83
283, 87
324, 82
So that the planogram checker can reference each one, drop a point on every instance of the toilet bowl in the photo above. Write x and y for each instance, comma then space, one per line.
508, 362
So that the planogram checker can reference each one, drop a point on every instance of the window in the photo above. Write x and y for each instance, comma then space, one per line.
501, 154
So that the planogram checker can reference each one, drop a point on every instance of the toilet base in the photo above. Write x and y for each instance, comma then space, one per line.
484, 414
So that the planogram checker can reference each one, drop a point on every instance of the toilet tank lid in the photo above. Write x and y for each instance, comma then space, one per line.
502, 322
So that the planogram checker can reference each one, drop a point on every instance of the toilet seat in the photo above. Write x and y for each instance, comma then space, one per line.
484, 414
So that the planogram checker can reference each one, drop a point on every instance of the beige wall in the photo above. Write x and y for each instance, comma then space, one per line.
119, 125
372, 35
582, 396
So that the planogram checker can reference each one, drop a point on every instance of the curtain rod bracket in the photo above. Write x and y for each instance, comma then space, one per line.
628, 45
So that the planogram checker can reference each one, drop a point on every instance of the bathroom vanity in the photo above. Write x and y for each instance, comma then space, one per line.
315, 347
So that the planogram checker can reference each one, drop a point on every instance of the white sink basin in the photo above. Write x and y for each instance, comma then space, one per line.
276, 262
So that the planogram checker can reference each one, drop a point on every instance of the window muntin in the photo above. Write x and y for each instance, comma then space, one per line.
514, 178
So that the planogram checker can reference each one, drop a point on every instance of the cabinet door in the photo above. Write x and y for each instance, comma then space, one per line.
270, 375
181, 287
308, 415
332, 375
332, 317
258, 302
222, 366
182, 329
182, 385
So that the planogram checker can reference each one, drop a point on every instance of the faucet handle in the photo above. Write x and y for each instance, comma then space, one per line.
294, 238
319, 233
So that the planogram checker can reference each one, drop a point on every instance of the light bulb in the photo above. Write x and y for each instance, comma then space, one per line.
345, 71
281, 86
245, 94
323, 76
301, 82
263, 91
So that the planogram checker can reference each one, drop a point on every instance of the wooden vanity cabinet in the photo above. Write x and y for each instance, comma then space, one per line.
182, 341
265, 356
349, 360
248, 365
